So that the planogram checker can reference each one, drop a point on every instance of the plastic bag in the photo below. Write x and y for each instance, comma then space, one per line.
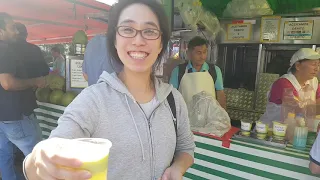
207, 116
247, 9
308, 101
192, 14
211, 23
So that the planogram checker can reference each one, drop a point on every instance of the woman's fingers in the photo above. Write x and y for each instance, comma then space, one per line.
57, 152
53, 163
62, 161
42, 169
44, 175
47, 169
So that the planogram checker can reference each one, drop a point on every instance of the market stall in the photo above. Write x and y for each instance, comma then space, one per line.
259, 61
251, 41
253, 49
248, 54
53, 22
222, 158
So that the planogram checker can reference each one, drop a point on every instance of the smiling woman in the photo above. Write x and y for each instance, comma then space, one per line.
144, 30
129, 108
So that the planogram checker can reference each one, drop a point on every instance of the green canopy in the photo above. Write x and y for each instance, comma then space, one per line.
215, 6
278, 6
292, 6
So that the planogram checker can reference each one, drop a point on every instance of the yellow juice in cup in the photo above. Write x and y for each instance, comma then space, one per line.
92, 152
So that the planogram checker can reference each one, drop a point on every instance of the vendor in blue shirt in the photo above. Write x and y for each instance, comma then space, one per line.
196, 75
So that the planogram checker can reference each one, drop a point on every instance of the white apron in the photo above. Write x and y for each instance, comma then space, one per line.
194, 83
274, 111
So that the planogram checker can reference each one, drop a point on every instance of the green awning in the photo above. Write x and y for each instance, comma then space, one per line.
292, 6
277, 6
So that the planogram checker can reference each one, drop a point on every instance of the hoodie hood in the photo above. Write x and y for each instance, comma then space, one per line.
162, 89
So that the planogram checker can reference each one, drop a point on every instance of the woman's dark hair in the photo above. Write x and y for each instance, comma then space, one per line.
114, 15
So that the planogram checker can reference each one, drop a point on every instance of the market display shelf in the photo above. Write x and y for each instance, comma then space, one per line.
268, 141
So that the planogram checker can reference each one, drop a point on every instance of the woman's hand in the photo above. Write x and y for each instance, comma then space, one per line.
172, 173
46, 162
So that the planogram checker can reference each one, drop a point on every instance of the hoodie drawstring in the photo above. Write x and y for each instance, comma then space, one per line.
135, 125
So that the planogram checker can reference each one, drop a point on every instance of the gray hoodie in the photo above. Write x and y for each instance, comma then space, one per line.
142, 148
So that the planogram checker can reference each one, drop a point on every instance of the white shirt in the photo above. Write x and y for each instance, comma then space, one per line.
149, 107
315, 151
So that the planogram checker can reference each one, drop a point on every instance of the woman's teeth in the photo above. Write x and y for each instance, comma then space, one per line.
138, 55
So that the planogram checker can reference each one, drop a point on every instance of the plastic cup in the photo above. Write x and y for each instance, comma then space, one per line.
300, 137
92, 152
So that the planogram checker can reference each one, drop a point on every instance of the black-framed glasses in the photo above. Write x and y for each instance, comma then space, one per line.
130, 32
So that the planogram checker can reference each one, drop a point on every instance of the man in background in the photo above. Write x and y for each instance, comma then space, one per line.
97, 60
196, 75
34, 65
59, 63
17, 128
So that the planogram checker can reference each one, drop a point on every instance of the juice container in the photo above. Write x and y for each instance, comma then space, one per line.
262, 130
92, 152
279, 130
246, 127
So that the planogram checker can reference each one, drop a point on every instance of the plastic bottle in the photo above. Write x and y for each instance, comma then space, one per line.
300, 121
300, 136
289, 103
291, 122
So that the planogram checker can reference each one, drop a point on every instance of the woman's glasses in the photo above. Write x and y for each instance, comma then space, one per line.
130, 32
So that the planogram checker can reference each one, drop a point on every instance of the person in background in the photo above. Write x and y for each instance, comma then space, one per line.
301, 76
315, 157
34, 65
17, 128
130, 108
97, 60
196, 75
59, 63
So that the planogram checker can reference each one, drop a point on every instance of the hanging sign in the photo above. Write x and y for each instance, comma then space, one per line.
298, 30
270, 29
239, 32
76, 76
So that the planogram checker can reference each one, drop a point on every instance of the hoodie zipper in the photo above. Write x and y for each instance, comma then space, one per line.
150, 133
151, 137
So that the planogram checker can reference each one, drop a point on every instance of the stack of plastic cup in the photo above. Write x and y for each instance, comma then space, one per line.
300, 137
